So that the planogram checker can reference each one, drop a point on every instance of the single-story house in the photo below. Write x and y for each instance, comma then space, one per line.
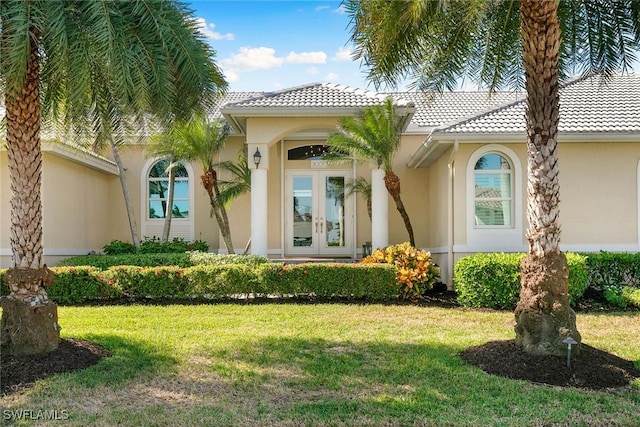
462, 167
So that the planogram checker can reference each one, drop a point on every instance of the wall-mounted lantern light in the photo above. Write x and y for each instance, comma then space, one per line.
257, 157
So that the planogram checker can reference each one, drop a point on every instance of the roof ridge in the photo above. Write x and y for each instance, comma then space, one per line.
290, 89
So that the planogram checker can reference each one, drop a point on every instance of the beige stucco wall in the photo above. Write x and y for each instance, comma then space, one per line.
76, 204
598, 194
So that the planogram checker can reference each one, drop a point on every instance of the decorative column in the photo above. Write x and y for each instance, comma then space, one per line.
259, 166
379, 210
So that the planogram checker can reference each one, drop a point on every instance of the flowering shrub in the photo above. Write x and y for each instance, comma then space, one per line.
414, 268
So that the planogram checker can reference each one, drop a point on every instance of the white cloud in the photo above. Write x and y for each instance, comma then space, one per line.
343, 54
341, 10
265, 58
319, 8
208, 30
313, 70
249, 59
306, 58
332, 77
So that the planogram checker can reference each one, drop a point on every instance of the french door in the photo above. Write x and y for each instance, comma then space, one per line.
319, 220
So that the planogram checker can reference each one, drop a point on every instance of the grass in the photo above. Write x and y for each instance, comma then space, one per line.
339, 365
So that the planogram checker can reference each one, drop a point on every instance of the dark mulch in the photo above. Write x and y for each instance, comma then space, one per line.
19, 372
593, 369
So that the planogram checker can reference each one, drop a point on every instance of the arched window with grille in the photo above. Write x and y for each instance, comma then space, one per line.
494, 200
155, 196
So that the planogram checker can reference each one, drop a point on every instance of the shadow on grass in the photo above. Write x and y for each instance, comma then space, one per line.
129, 359
93, 361
316, 381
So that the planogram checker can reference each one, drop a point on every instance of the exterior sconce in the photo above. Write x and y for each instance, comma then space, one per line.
257, 157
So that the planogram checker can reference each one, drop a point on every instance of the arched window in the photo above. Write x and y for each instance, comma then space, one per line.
493, 191
158, 191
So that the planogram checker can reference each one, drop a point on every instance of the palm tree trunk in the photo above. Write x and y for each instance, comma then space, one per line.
29, 323
168, 212
208, 179
125, 193
392, 183
543, 315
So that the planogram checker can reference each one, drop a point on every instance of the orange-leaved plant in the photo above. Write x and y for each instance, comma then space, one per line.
415, 270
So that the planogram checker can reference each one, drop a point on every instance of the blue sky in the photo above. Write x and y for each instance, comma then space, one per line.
270, 45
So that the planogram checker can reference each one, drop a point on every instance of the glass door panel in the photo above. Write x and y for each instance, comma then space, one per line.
319, 219
334, 211
303, 211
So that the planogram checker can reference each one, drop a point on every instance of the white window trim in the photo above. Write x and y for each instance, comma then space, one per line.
506, 236
187, 224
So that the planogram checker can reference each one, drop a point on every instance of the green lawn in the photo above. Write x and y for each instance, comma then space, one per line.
285, 365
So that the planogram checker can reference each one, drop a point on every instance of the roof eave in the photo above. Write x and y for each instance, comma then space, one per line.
81, 157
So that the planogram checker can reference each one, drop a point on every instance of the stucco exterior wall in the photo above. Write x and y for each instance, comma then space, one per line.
76, 205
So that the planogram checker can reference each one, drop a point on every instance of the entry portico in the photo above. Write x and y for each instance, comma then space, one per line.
316, 216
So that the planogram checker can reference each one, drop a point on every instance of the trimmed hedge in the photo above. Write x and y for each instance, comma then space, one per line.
75, 285
606, 269
103, 262
493, 280
185, 259
371, 281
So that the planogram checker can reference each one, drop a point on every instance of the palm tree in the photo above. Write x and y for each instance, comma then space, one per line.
88, 65
374, 135
239, 183
199, 140
495, 43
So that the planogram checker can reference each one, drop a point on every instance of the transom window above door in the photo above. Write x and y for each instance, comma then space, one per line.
308, 152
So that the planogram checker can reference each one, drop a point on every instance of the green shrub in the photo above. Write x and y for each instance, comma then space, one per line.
372, 281
118, 247
153, 282
493, 280
414, 268
614, 296
73, 285
104, 262
216, 281
488, 280
4, 288
606, 269
204, 258
177, 245
155, 246
578, 276
632, 295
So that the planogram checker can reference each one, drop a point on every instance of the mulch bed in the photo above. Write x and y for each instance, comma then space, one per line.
592, 369
19, 372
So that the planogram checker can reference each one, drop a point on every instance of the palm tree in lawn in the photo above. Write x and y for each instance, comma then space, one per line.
374, 135
94, 64
200, 140
503, 42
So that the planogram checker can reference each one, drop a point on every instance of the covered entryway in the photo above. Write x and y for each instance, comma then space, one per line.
318, 215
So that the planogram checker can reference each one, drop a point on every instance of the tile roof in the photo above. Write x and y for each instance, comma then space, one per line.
441, 109
231, 98
586, 106
315, 95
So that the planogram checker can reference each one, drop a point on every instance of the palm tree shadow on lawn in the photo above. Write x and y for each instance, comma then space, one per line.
593, 369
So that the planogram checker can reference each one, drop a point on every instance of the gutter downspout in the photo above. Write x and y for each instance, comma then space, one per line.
451, 222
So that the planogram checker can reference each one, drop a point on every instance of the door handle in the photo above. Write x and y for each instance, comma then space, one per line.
321, 223
316, 225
